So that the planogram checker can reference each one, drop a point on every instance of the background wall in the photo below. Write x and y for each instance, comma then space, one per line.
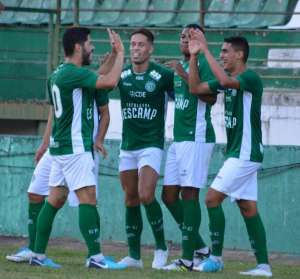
279, 198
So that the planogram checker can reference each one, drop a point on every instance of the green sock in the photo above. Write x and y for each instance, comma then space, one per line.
155, 218
191, 223
176, 211
43, 227
89, 225
33, 213
134, 227
257, 237
217, 229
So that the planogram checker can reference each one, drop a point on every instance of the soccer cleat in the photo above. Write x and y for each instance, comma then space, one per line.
210, 265
46, 262
259, 270
160, 258
178, 265
104, 264
131, 262
24, 254
199, 257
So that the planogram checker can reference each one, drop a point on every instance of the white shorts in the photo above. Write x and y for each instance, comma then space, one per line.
187, 164
237, 179
72, 198
40, 179
136, 159
74, 171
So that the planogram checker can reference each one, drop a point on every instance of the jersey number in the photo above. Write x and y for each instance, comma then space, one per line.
58, 109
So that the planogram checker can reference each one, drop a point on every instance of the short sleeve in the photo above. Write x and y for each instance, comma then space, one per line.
250, 81
84, 78
215, 86
101, 98
205, 72
169, 81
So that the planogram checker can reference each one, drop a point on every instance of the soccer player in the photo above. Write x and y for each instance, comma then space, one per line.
188, 157
237, 178
143, 86
39, 185
71, 88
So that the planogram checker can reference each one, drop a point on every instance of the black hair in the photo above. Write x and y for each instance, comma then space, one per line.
72, 36
146, 32
239, 44
194, 26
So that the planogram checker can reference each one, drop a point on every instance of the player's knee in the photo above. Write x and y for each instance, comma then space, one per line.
190, 193
132, 200
57, 203
146, 198
167, 198
248, 211
211, 201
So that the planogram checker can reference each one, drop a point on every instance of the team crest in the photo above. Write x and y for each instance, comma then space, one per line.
150, 86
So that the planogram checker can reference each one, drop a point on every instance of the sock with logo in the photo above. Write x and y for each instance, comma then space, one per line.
217, 229
155, 218
257, 237
191, 223
176, 211
43, 227
33, 213
134, 227
89, 225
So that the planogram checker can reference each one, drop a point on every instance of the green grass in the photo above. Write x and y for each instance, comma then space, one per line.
72, 261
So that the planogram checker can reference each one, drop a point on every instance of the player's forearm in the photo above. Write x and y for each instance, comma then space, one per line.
106, 67
111, 79
217, 70
47, 133
193, 76
103, 125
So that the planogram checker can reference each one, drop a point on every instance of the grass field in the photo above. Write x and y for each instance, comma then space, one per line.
71, 255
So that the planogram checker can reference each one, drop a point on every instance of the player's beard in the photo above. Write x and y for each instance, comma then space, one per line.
86, 57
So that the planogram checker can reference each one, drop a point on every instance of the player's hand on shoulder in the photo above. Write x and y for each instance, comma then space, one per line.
176, 66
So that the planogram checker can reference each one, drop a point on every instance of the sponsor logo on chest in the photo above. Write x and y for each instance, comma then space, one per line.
181, 103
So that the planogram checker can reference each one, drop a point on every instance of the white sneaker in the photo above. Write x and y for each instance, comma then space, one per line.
260, 270
199, 256
131, 262
23, 255
160, 258
178, 265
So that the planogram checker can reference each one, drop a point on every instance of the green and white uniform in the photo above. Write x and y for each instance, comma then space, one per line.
189, 155
238, 176
72, 91
143, 105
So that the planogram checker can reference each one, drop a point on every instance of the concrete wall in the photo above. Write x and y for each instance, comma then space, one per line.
278, 198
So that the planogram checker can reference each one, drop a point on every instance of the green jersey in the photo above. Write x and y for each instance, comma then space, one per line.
71, 91
242, 117
192, 120
143, 105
